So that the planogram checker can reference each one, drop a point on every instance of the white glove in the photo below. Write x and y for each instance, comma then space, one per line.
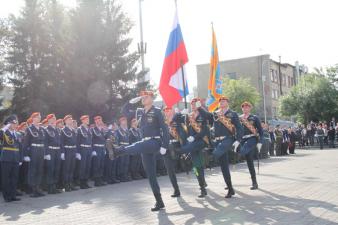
62, 156
163, 151
235, 144
78, 156
177, 110
185, 111
191, 139
135, 100
198, 104
20, 163
94, 153
259, 146
5, 128
47, 157
26, 159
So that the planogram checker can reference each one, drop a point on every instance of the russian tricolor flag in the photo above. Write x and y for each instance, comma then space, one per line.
171, 83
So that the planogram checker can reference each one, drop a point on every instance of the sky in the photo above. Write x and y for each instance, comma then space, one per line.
304, 31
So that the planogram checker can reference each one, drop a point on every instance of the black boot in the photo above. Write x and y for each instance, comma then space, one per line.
51, 189
159, 203
231, 190
97, 182
176, 194
254, 184
56, 190
83, 184
203, 192
67, 187
35, 192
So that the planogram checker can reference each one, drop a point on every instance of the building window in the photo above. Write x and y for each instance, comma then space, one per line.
284, 79
232, 75
274, 75
289, 81
274, 94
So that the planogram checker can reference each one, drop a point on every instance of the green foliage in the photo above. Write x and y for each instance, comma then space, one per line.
313, 98
70, 61
239, 91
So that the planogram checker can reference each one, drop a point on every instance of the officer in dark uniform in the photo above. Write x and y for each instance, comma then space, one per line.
10, 158
252, 131
99, 146
228, 134
155, 138
22, 179
68, 141
177, 139
198, 139
122, 139
84, 145
53, 150
59, 126
34, 153
135, 160
110, 161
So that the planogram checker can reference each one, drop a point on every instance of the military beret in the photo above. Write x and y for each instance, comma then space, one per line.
97, 118
35, 114
11, 119
147, 93
84, 117
50, 116
67, 117
246, 103
223, 98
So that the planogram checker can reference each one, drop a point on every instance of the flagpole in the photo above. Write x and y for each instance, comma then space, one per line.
184, 88
183, 78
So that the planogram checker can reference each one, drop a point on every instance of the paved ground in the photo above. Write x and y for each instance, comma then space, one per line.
299, 189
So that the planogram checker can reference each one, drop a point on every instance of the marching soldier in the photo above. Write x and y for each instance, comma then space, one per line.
252, 131
197, 140
122, 138
228, 133
155, 138
135, 160
34, 153
84, 145
177, 139
53, 150
68, 141
99, 146
10, 158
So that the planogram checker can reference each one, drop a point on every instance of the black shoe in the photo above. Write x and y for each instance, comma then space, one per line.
15, 199
8, 200
254, 186
203, 193
176, 194
159, 203
68, 188
231, 192
86, 183
18, 193
35, 195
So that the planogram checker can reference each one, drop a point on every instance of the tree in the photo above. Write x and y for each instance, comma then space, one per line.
28, 45
239, 91
330, 72
313, 98
71, 61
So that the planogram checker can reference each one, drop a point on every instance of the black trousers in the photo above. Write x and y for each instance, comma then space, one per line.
170, 166
9, 177
250, 162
